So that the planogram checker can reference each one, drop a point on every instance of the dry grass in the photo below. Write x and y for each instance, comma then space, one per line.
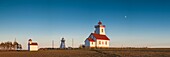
51, 53
138, 52
115, 52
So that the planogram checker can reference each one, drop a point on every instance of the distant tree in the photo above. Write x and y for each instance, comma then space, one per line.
10, 46
15, 45
2, 45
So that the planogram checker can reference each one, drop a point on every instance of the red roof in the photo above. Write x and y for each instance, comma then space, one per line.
33, 44
102, 37
90, 39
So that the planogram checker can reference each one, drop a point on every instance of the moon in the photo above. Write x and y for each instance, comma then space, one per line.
125, 16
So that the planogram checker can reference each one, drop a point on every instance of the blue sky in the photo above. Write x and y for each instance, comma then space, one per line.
147, 22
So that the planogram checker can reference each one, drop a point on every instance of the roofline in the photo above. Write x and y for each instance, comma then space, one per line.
34, 45
103, 39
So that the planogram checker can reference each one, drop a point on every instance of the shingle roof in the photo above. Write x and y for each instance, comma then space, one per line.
90, 39
98, 36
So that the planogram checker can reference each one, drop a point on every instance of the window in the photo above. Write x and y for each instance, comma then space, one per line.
92, 43
99, 42
102, 43
102, 30
106, 42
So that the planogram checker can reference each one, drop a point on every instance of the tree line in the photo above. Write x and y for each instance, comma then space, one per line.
10, 46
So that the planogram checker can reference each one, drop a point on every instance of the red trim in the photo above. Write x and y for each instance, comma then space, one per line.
33, 44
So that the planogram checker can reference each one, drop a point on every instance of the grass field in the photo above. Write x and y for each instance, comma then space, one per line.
114, 52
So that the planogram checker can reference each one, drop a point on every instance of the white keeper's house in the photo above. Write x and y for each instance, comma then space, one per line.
32, 46
98, 39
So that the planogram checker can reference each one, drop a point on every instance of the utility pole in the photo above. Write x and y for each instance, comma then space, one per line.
72, 42
52, 43
15, 40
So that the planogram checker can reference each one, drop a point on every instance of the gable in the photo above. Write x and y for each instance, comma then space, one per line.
89, 39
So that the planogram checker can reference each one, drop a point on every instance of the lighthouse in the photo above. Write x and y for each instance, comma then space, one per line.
62, 45
98, 39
